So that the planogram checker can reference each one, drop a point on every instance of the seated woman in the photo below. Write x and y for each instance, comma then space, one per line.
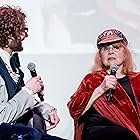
106, 104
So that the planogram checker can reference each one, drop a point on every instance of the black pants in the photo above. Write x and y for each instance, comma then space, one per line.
107, 133
21, 132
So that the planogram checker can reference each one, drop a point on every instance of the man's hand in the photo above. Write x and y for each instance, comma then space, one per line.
35, 84
54, 120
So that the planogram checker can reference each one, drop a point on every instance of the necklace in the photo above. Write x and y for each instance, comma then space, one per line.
15, 75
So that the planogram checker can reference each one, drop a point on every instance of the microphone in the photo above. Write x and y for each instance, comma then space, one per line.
31, 66
113, 69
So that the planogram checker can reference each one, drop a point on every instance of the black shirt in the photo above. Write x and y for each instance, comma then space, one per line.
92, 118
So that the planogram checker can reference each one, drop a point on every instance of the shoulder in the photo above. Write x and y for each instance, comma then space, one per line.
134, 75
94, 76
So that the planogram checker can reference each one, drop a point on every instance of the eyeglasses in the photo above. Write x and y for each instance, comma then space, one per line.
107, 48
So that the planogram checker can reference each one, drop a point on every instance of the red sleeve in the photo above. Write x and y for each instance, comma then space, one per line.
81, 97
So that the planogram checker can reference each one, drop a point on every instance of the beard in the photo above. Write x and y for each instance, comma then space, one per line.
16, 45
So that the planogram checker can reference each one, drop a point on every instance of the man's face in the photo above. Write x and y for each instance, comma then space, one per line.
16, 44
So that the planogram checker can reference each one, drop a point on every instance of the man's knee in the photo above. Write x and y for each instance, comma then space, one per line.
12, 132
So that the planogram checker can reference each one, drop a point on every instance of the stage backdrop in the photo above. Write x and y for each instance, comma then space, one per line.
62, 43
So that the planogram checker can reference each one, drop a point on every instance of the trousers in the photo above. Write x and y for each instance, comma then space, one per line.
108, 133
21, 132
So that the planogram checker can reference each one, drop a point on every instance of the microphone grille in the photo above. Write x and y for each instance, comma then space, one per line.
114, 67
31, 66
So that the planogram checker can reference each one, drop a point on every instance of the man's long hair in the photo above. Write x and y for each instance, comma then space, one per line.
128, 65
12, 23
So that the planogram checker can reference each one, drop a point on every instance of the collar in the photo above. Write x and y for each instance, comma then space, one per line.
5, 56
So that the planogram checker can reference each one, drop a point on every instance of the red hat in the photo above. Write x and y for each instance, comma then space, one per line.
110, 35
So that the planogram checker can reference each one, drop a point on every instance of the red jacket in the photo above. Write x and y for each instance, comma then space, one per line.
120, 110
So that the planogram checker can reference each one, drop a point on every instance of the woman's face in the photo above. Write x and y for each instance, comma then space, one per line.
112, 53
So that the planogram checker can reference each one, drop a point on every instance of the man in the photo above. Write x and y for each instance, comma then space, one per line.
18, 101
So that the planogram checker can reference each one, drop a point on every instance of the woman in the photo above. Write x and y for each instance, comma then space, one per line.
98, 116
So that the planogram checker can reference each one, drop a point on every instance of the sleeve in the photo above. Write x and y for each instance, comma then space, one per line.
45, 109
80, 98
15, 107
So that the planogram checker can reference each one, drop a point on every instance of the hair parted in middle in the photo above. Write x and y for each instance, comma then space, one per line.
128, 64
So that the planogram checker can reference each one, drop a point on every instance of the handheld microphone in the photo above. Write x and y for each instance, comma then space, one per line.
113, 69
31, 66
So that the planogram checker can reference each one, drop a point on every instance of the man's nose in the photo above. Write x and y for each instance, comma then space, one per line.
22, 36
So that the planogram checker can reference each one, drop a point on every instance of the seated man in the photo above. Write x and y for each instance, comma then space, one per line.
19, 107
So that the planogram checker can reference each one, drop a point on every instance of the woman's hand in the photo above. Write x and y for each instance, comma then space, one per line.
109, 82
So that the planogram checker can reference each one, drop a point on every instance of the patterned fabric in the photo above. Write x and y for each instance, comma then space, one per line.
15, 75
11, 86
111, 35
